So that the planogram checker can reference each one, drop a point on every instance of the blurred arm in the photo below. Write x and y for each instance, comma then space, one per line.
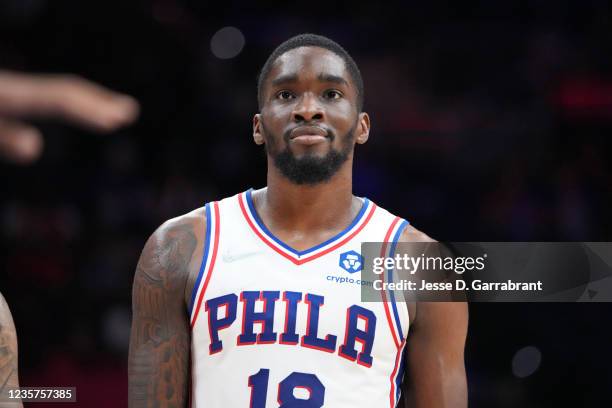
65, 97
8, 354
435, 351
160, 340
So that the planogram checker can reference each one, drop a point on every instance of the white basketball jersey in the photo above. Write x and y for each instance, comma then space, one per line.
276, 327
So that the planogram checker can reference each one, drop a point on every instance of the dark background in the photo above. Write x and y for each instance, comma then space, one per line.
491, 121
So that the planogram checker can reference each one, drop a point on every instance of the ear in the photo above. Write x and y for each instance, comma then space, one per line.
257, 127
363, 128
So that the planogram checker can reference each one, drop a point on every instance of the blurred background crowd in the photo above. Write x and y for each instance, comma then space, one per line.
490, 122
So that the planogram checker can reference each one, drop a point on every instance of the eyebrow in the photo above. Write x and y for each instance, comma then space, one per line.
285, 79
292, 78
332, 78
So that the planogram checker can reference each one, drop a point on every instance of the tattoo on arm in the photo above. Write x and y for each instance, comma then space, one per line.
160, 340
8, 352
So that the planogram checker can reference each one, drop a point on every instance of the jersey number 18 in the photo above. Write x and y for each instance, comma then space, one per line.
258, 383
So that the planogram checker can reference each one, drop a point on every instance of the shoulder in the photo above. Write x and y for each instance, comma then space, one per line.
411, 234
178, 229
8, 337
5, 313
6, 321
178, 233
170, 252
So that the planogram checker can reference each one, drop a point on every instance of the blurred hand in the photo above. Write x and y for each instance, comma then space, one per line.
65, 97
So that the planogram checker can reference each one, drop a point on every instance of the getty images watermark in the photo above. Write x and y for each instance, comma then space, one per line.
406, 265
486, 271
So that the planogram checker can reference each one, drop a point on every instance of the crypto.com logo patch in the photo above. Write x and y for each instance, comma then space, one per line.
351, 261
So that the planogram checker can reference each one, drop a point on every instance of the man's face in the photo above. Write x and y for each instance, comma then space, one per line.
309, 121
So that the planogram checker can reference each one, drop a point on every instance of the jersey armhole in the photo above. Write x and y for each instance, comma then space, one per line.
210, 249
392, 238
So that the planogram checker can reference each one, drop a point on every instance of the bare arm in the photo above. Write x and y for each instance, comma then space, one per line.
435, 352
435, 345
158, 368
8, 354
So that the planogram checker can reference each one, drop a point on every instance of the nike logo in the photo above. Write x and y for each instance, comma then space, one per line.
233, 256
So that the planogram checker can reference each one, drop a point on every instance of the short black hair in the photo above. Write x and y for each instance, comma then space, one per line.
312, 40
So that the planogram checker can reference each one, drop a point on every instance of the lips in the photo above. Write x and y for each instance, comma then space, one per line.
307, 131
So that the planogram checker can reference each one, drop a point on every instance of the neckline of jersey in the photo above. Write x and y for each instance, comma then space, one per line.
253, 212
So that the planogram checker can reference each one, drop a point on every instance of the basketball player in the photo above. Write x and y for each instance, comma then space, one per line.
8, 355
233, 305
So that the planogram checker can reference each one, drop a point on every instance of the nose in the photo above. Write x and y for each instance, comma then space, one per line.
308, 109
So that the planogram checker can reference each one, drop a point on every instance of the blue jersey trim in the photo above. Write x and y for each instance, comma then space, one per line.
396, 237
204, 258
399, 377
362, 211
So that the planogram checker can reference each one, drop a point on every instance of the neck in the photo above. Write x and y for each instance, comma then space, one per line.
286, 205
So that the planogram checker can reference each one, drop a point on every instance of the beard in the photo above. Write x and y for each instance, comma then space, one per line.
310, 169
